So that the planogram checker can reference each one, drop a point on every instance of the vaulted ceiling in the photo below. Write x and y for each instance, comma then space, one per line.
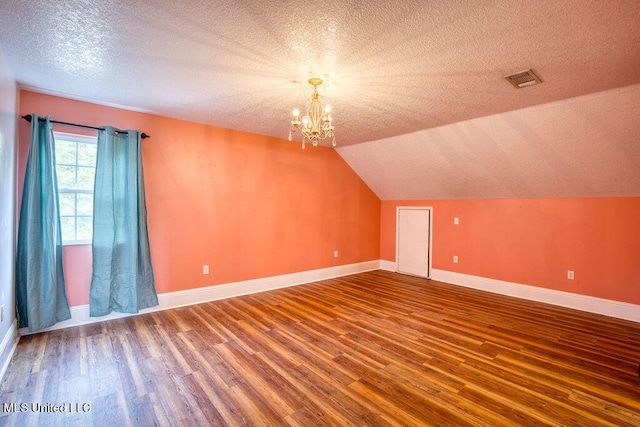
420, 104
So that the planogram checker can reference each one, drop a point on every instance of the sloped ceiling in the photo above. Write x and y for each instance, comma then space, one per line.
392, 69
587, 146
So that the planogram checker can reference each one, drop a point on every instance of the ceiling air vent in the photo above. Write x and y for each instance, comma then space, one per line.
523, 78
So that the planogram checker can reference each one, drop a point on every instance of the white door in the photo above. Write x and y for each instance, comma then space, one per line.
412, 247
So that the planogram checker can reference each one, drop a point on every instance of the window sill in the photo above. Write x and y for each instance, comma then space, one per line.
76, 243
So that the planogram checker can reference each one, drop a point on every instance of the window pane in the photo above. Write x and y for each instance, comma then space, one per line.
66, 176
65, 152
85, 227
68, 227
87, 154
76, 160
85, 178
85, 204
67, 204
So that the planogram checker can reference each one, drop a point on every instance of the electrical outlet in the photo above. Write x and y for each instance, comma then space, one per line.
570, 275
205, 269
335, 254
455, 221
455, 259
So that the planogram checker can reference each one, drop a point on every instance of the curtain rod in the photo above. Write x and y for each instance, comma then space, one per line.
28, 118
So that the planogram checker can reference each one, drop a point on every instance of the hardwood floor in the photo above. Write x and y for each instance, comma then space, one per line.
376, 348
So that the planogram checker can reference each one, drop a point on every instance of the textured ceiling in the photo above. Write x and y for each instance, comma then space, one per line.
391, 67
587, 146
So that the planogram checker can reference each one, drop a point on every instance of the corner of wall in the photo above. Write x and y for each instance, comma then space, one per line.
388, 265
8, 160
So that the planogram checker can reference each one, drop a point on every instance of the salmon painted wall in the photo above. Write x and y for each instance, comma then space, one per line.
247, 205
535, 242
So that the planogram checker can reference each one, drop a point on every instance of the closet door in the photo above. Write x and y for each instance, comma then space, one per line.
412, 247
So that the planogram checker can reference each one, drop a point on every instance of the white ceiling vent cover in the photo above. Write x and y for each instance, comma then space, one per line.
523, 79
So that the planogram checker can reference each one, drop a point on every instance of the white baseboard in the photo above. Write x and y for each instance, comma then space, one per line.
80, 314
617, 309
8, 347
388, 265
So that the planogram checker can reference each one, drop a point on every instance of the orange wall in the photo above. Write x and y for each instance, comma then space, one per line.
535, 242
248, 205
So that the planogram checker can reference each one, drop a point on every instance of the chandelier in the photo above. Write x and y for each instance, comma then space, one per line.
317, 124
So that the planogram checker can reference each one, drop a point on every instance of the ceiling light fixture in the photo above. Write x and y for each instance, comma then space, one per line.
317, 124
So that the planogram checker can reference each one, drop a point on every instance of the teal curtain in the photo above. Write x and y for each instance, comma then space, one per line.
41, 298
122, 278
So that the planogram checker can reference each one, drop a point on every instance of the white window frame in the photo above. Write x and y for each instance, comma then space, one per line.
83, 139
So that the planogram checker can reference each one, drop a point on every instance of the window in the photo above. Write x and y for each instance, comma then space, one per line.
76, 169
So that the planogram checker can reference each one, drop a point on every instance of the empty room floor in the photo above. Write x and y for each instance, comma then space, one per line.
375, 348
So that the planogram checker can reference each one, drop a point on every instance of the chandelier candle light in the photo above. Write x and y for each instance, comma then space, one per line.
317, 124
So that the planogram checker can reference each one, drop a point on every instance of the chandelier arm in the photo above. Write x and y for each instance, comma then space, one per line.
317, 124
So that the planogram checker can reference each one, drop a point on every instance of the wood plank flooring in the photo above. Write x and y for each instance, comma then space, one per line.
375, 348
